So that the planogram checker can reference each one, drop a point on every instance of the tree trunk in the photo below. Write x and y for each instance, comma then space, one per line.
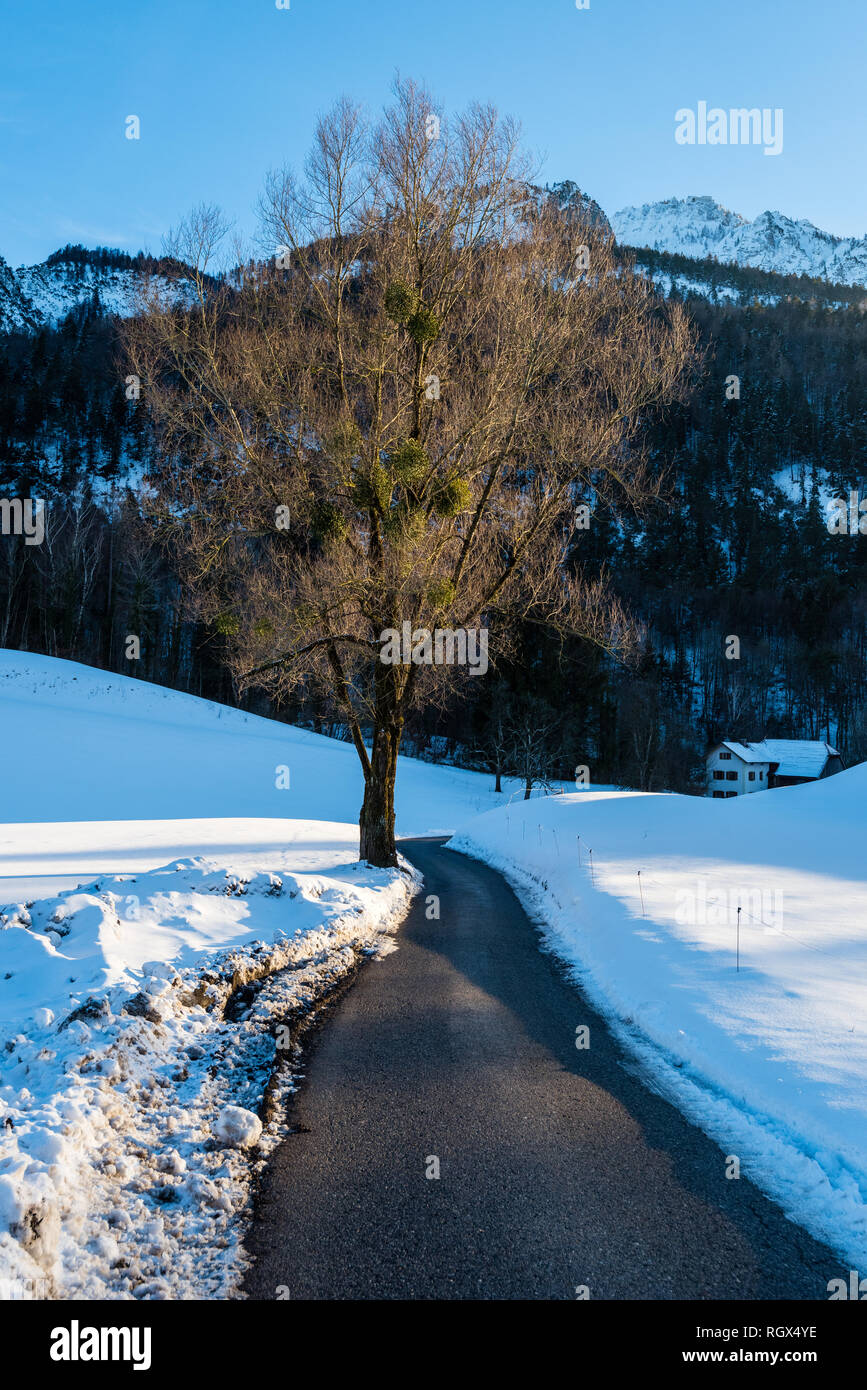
499, 786
376, 821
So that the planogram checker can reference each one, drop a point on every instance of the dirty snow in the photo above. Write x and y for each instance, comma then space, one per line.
142, 1018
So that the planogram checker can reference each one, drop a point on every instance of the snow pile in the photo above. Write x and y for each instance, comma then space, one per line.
640, 894
147, 1029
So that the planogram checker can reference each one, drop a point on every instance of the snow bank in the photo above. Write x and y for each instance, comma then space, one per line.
770, 1058
142, 1018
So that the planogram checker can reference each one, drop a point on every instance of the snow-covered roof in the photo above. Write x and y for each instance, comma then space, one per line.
748, 752
795, 757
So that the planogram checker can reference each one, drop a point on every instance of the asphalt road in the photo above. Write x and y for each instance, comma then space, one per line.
558, 1168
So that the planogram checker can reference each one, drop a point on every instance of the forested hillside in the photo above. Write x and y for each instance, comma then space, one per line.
739, 546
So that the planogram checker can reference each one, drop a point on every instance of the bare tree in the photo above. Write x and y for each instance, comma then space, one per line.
137, 585
12, 568
532, 743
436, 365
69, 561
493, 749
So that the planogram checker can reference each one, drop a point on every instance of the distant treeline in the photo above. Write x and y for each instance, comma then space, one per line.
747, 282
110, 258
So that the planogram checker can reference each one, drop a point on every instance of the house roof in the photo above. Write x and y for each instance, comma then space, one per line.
794, 757
748, 752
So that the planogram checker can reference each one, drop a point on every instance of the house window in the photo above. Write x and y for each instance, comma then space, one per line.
731, 776
718, 776
720, 794
725, 757
731, 793
761, 777
752, 777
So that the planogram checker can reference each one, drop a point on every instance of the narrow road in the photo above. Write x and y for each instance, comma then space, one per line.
557, 1168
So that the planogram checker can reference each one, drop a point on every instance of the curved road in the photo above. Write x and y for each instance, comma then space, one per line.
558, 1168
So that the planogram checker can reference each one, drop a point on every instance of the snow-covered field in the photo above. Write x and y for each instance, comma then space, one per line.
770, 1058
181, 885
85, 745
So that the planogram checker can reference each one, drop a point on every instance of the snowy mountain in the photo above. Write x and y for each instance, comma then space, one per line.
54, 289
696, 227
43, 294
573, 203
32, 296
17, 310
699, 227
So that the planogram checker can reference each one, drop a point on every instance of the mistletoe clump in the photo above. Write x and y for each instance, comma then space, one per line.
371, 488
453, 497
409, 463
328, 522
401, 301
227, 624
441, 593
404, 525
346, 443
424, 326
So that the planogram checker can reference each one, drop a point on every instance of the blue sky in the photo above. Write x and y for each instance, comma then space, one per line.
226, 89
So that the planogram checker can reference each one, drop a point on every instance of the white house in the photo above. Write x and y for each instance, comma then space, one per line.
735, 769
